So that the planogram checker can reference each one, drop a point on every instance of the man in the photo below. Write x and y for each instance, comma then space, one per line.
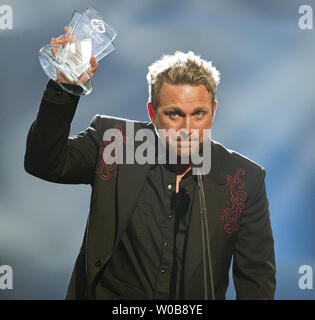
143, 238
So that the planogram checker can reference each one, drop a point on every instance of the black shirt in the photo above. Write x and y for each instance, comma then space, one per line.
147, 262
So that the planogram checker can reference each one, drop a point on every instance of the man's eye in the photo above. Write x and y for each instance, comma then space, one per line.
199, 114
172, 114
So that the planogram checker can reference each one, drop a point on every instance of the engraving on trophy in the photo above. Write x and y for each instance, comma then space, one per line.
98, 25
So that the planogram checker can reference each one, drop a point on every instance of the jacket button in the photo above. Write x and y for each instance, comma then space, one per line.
98, 263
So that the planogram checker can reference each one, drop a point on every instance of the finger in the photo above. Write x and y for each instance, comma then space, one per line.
91, 71
53, 43
61, 40
73, 36
94, 64
68, 31
84, 77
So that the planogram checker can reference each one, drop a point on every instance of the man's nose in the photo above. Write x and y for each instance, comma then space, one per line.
185, 131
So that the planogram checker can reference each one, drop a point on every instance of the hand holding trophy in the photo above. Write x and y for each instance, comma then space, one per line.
63, 40
72, 59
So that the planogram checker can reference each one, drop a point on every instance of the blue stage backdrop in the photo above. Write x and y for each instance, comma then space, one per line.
266, 112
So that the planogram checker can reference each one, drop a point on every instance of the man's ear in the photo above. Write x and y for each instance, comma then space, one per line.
151, 111
214, 108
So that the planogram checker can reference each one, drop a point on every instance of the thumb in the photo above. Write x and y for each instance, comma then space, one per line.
93, 63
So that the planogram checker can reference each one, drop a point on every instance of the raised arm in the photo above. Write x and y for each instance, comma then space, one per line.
50, 153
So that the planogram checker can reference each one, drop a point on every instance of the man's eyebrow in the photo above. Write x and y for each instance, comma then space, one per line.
201, 108
176, 108
180, 112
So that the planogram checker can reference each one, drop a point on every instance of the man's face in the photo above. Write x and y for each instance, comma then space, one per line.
184, 108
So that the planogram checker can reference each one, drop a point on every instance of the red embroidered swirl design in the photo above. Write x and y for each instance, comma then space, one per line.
235, 205
106, 170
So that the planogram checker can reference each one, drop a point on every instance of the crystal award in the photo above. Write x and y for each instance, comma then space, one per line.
91, 35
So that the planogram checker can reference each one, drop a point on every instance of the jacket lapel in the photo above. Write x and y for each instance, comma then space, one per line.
131, 179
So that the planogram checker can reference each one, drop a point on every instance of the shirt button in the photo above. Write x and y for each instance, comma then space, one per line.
59, 93
165, 244
171, 217
162, 271
98, 263
169, 187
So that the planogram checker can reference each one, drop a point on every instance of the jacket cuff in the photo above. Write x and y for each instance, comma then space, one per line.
56, 94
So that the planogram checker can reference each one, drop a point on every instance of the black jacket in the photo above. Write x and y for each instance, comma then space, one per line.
237, 206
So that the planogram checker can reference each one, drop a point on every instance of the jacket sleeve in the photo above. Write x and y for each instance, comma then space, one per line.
50, 153
254, 259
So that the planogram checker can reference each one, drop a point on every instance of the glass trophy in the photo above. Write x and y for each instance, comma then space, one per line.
91, 35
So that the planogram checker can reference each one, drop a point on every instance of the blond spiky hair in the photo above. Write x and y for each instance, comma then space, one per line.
181, 68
